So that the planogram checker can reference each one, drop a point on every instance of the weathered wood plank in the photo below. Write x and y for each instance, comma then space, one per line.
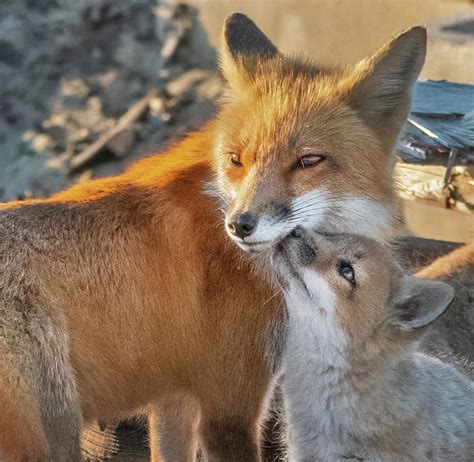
442, 98
441, 119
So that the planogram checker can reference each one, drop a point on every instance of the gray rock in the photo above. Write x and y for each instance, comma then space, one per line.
9, 54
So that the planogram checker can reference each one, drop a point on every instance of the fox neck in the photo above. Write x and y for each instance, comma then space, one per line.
328, 388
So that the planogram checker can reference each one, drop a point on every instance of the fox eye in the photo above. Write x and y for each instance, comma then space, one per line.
235, 159
310, 160
345, 270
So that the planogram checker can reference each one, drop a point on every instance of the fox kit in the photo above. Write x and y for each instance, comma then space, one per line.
126, 293
354, 386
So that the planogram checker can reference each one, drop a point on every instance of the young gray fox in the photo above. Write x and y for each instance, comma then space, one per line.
354, 386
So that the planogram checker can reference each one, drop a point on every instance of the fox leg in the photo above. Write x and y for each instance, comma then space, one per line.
61, 417
40, 418
33, 428
229, 440
229, 428
173, 424
22, 436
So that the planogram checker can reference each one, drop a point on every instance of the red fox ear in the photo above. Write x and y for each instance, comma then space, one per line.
243, 42
420, 302
384, 82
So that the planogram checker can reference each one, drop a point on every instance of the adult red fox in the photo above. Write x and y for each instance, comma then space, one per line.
126, 293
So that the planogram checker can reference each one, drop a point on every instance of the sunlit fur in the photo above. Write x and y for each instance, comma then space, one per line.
354, 387
154, 303
125, 293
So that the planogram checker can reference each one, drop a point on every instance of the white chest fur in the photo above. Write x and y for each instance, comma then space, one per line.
314, 365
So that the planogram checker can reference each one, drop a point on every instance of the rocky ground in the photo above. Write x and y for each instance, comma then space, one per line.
71, 70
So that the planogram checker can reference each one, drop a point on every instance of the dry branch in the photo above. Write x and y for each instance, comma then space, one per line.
124, 122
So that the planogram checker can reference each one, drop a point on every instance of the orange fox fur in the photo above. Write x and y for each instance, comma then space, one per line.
125, 293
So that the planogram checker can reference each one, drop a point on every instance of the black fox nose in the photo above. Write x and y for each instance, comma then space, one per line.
298, 232
242, 225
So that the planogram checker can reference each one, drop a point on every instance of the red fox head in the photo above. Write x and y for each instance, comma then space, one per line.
300, 145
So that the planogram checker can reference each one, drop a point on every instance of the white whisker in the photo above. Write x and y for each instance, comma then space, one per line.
273, 296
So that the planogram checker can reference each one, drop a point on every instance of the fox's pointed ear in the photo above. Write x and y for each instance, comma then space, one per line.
242, 42
384, 82
420, 302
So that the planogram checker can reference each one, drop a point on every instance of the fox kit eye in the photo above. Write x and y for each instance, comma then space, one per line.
345, 270
235, 159
310, 160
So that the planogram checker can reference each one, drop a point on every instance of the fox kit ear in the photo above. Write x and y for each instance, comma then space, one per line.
243, 41
384, 82
421, 302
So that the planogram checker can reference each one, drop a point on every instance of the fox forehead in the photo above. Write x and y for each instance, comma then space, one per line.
266, 132
284, 111
270, 130
279, 114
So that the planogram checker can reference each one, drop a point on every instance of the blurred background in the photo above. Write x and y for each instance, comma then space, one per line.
88, 86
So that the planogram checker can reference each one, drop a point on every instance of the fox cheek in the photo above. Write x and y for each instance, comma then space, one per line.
231, 195
225, 189
279, 210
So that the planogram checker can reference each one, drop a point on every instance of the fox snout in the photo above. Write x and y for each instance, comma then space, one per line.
300, 247
260, 227
292, 256
242, 224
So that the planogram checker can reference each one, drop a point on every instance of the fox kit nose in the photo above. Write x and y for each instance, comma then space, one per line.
298, 232
242, 225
